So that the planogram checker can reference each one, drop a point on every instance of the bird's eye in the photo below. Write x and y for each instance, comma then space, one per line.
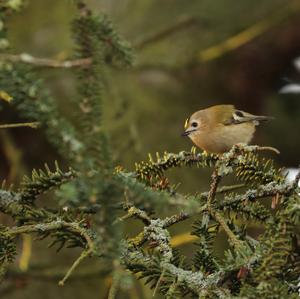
194, 124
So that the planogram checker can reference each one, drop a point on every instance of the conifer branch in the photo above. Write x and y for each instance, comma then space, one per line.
42, 181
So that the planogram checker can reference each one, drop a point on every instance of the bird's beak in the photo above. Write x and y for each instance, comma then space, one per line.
186, 125
187, 132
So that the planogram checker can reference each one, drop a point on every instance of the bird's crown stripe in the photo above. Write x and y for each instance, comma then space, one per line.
186, 123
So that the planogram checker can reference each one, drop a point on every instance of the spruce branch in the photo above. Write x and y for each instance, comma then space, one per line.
242, 159
156, 233
44, 180
72, 228
32, 99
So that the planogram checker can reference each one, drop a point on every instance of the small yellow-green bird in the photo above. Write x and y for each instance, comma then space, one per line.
216, 129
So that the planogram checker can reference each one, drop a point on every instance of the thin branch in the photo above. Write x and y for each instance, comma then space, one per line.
249, 34
45, 62
213, 188
33, 125
132, 211
181, 24
83, 255
159, 281
230, 188
116, 280
268, 148
234, 240
216, 178
175, 219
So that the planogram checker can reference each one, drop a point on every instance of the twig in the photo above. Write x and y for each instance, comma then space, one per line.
115, 284
249, 34
159, 281
46, 62
33, 125
181, 24
268, 148
175, 218
235, 241
213, 188
241, 148
83, 255
135, 212
226, 189
216, 178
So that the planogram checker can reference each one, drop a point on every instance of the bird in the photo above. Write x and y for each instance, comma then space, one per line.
218, 128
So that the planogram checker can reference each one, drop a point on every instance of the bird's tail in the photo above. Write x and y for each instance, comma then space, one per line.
260, 117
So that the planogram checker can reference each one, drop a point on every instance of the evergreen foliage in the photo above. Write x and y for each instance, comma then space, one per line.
267, 266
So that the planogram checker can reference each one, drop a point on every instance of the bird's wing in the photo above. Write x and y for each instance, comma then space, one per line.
238, 117
221, 114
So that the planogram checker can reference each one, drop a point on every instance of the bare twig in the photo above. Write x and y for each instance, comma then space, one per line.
213, 188
116, 280
83, 255
268, 148
216, 178
234, 240
32, 125
249, 34
181, 24
46, 62
159, 281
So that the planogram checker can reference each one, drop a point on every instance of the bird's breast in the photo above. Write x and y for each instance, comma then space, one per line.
221, 138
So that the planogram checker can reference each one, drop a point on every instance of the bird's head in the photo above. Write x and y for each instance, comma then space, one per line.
204, 121
194, 124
